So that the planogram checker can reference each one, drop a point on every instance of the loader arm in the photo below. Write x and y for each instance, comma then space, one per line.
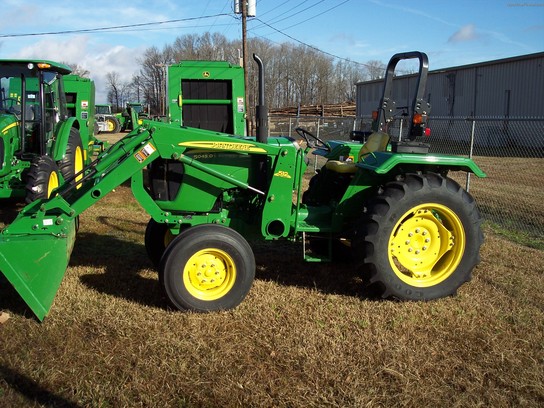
35, 248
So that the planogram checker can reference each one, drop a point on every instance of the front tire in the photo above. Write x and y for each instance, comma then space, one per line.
42, 178
207, 268
157, 238
420, 238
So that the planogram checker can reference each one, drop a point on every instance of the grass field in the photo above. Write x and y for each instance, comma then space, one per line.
307, 335
511, 197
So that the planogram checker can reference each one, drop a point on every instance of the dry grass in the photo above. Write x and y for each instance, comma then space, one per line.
511, 197
307, 335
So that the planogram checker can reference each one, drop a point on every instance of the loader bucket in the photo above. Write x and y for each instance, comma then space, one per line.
35, 263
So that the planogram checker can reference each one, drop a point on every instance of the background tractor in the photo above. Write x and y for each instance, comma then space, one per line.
132, 116
41, 143
410, 229
106, 121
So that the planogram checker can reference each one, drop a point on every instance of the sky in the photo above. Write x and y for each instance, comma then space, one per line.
451, 33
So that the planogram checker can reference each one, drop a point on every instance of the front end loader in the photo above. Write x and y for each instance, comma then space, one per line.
411, 230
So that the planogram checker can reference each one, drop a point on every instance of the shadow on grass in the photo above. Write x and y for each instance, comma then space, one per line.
281, 262
10, 299
9, 210
122, 261
32, 390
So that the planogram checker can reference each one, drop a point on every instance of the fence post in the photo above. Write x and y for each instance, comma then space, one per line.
471, 151
290, 124
317, 134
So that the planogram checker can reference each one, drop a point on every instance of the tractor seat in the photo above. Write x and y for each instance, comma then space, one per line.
376, 142
29, 112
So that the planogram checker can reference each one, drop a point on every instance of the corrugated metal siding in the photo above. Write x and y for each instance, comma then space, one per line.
513, 87
450, 92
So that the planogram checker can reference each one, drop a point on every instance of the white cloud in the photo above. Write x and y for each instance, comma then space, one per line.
98, 59
465, 33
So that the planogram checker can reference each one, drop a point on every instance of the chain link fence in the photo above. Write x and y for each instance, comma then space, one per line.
509, 150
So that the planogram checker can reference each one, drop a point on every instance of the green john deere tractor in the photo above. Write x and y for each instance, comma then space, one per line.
106, 121
132, 116
41, 145
412, 230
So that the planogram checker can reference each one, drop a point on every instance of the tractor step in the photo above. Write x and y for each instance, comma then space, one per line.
315, 219
319, 251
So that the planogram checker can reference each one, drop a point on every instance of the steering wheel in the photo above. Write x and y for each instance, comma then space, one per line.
316, 142
9, 104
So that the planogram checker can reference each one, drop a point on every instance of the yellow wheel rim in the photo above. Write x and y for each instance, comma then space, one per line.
110, 125
78, 164
426, 245
209, 274
53, 183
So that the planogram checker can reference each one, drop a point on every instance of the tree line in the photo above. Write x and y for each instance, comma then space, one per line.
294, 74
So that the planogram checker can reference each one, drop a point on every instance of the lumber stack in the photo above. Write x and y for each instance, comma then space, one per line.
331, 110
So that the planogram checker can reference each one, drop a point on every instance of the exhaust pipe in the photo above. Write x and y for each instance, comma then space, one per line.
261, 110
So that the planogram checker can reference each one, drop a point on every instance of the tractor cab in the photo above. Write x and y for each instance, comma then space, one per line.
39, 141
32, 102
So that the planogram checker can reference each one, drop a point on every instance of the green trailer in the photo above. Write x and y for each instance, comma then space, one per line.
207, 95
411, 230
80, 94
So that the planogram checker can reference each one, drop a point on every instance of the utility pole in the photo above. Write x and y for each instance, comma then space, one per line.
241, 7
245, 62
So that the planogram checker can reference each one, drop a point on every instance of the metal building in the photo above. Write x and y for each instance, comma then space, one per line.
510, 87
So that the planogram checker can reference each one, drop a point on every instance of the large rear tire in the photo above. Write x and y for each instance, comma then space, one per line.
207, 268
420, 238
73, 161
112, 124
42, 178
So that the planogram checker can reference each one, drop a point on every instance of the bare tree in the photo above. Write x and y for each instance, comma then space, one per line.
214, 47
294, 74
346, 75
136, 88
152, 77
118, 92
375, 69
78, 70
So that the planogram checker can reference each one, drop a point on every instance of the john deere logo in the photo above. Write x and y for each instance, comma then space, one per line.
206, 74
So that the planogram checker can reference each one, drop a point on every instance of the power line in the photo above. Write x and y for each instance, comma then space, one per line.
311, 46
323, 12
225, 4
293, 14
276, 7
275, 20
182, 27
118, 28
306, 19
